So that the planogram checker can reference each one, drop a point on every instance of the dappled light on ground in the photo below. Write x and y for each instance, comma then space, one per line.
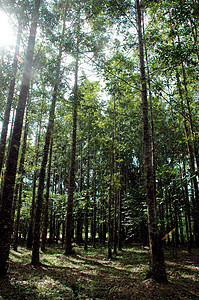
91, 275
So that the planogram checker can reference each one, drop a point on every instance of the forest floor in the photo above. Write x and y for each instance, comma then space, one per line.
91, 275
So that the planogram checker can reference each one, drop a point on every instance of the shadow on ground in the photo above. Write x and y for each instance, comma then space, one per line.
90, 275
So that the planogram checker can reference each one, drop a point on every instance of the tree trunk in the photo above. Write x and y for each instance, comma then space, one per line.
157, 256
114, 183
32, 210
69, 217
94, 202
45, 224
87, 196
58, 231
151, 120
168, 225
63, 233
188, 206
11, 164
120, 192
104, 224
39, 202
21, 174
191, 162
9, 101
52, 229
110, 231
79, 218
16, 231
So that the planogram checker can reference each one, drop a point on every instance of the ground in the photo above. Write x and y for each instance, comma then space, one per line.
91, 275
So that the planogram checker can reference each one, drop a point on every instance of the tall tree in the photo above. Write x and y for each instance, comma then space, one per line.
12, 157
32, 209
39, 201
9, 100
21, 174
69, 217
45, 223
157, 256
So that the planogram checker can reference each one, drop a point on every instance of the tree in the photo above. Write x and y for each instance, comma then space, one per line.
45, 223
71, 185
21, 172
39, 201
9, 100
157, 255
12, 157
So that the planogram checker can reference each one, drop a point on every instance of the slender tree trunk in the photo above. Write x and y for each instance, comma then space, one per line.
51, 238
32, 210
151, 120
16, 231
94, 201
187, 206
87, 196
63, 232
21, 174
9, 101
176, 224
104, 225
2, 175
45, 224
192, 164
79, 238
193, 135
194, 29
120, 193
185, 212
39, 202
58, 231
110, 231
14, 204
185, 200
168, 226
69, 217
114, 184
181, 228
157, 256
11, 164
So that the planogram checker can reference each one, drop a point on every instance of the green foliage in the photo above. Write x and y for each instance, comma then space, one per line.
124, 277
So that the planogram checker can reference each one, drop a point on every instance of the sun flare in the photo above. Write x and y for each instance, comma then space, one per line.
6, 32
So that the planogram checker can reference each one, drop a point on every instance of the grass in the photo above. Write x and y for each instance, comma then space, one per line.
91, 275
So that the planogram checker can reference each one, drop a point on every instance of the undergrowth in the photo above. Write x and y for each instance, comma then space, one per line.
91, 275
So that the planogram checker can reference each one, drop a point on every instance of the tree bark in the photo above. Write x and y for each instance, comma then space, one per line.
193, 135
11, 164
120, 191
32, 210
94, 201
114, 184
45, 224
87, 195
21, 174
192, 164
158, 268
9, 101
110, 228
79, 227
39, 201
69, 217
